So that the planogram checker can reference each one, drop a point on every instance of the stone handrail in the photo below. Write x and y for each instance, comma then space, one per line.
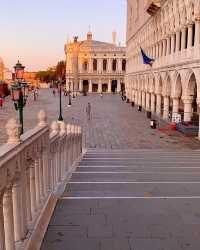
32, 169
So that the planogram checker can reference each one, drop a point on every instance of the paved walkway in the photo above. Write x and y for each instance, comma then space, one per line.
114, 123
129, 200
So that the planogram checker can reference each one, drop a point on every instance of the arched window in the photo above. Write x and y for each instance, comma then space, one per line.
114, 65
95, 65
123, 65
85, 66
104, 65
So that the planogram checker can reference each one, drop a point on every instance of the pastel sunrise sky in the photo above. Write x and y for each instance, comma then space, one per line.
35, 31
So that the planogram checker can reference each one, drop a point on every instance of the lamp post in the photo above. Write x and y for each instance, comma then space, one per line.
70, 101
73, 96
19, 91
60, 118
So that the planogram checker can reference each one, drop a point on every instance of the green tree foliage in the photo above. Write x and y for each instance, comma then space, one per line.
52, 74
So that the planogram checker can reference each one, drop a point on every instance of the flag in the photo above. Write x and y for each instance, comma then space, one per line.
146, 59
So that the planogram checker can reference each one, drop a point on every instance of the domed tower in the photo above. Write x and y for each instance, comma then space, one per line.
1, 69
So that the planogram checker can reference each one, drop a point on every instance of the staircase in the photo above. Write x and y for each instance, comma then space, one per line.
129, 200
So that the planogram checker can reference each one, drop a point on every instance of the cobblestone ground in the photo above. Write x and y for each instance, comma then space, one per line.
114, 124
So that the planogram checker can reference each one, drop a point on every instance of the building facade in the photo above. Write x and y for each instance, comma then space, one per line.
2, 68
94, 66
169, 32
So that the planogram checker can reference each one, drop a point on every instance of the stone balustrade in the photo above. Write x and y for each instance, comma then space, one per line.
33, 167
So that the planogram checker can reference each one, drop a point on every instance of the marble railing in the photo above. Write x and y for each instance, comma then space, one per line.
33, 168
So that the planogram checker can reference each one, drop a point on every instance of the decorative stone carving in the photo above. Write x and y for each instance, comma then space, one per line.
54, 128
13, 131
62, 128
42, 119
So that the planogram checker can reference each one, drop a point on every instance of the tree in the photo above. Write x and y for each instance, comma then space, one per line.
61, 70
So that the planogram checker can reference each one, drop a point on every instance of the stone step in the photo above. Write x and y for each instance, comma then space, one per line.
136, 177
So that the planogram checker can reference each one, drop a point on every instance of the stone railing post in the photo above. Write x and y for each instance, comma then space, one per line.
13, 131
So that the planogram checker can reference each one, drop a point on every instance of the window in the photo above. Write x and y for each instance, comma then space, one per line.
104, 65
123, 65
95, 65
85, 66
114, 65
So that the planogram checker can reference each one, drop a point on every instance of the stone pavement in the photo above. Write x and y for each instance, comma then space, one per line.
114, 123
129, 200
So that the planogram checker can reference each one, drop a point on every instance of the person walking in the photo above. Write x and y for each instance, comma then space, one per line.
101, 95
88, 111
1, 102
54, 92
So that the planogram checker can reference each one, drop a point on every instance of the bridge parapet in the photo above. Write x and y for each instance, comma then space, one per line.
33, 168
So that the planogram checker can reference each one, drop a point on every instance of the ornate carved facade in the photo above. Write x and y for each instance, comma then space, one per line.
94, 66
170, 33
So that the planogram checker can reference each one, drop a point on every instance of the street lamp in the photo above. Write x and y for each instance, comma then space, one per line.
70, 101
19, 91
60, 118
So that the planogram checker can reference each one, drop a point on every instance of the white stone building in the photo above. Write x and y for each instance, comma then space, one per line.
95, 66
169, 32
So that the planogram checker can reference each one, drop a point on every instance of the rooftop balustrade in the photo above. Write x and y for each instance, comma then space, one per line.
33, 168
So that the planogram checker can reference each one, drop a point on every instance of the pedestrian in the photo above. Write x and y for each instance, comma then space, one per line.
101, 95
88, 111
54, 92
1, 102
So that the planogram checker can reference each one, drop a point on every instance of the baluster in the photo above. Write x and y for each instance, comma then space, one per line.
33, 189
2, 234
37, 183
8, 219
28, 195
17, 209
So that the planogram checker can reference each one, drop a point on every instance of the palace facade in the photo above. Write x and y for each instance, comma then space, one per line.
94, 66
169, 32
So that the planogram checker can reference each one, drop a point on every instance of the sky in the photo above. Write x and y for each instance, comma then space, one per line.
35, 31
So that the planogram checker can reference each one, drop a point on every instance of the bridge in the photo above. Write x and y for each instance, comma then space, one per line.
63, 186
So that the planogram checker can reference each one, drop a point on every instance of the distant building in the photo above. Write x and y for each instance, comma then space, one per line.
2, 67
94, 66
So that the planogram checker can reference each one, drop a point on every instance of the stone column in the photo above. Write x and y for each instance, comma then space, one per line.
80, 85
2, 235
90, 65
183, 38
99, 65
139, 98
178, 35
173, 45
8, 220
158, 106
143, 100
168, 45
90, 86
148, 102
175, 106
118, 86
109, 86
17, 208
99, 86
190, 35
119, 65
152, 102
197, 32
164, 47
187, 110
166, 108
